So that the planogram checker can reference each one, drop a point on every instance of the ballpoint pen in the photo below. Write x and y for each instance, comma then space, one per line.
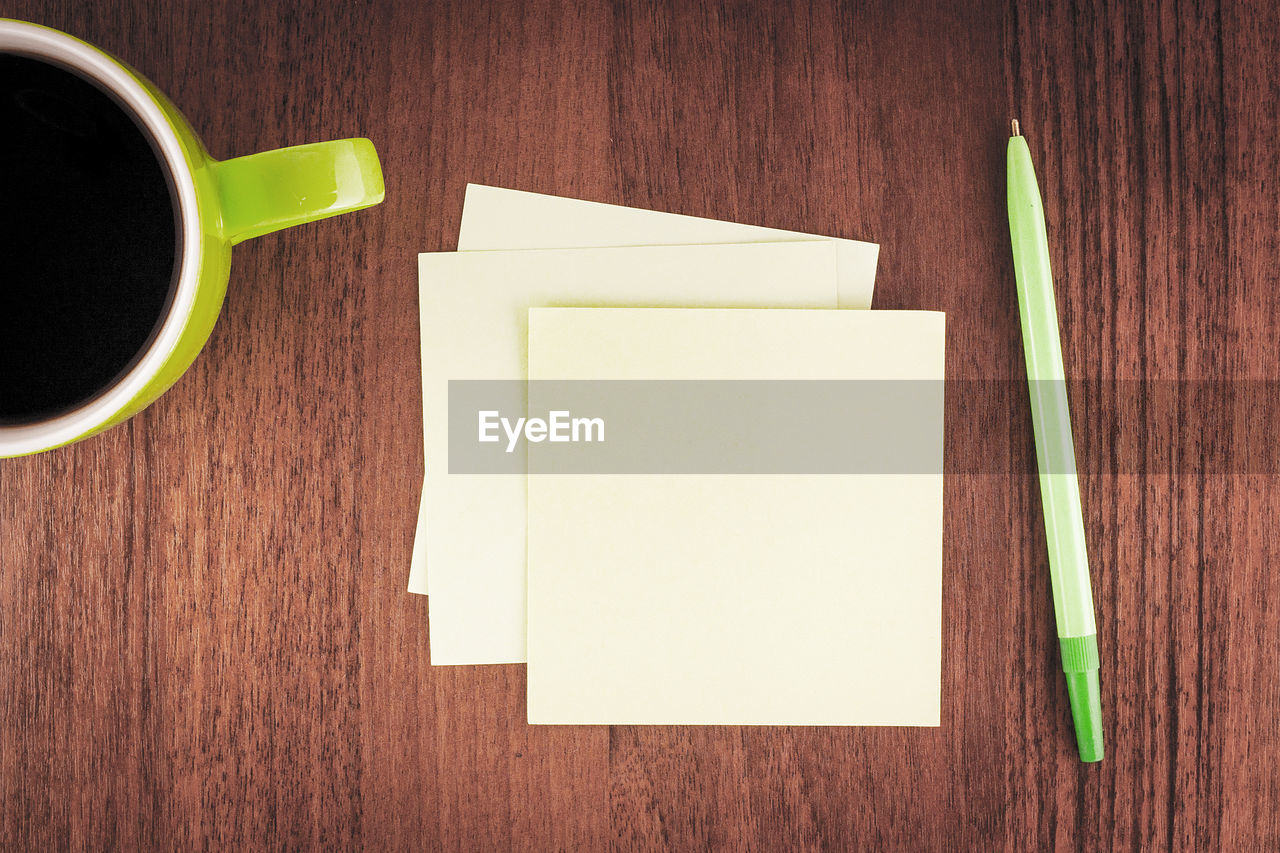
1055, 454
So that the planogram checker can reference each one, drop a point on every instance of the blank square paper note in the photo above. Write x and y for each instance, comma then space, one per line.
719, 598
474, 309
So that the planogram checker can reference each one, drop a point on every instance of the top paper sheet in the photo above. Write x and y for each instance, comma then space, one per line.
496, 218
738, 599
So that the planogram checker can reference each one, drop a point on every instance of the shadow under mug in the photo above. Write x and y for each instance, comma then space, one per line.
216, 204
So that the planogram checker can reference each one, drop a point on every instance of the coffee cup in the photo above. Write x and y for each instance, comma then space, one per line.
117, 227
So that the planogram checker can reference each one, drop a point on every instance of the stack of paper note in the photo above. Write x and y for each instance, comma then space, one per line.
690, 596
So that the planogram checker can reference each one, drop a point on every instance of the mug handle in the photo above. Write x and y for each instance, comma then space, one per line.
265, 192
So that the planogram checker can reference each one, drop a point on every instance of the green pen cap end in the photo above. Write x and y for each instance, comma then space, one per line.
1085, 692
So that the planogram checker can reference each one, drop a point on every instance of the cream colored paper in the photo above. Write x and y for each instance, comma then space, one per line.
496, 218
798, 600
474, 307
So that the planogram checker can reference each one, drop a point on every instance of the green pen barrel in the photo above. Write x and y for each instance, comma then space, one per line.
1055, 453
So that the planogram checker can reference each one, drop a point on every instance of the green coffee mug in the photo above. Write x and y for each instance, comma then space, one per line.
98, 322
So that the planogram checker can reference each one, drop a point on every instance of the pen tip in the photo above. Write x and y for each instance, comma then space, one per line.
1017, 131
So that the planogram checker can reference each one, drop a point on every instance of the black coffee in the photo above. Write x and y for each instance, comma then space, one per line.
88, 240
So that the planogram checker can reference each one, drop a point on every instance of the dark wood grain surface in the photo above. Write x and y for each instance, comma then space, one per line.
204, 634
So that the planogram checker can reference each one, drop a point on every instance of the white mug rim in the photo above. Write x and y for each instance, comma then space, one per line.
42, 42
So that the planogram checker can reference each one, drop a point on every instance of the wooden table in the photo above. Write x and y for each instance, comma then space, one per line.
204, 632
